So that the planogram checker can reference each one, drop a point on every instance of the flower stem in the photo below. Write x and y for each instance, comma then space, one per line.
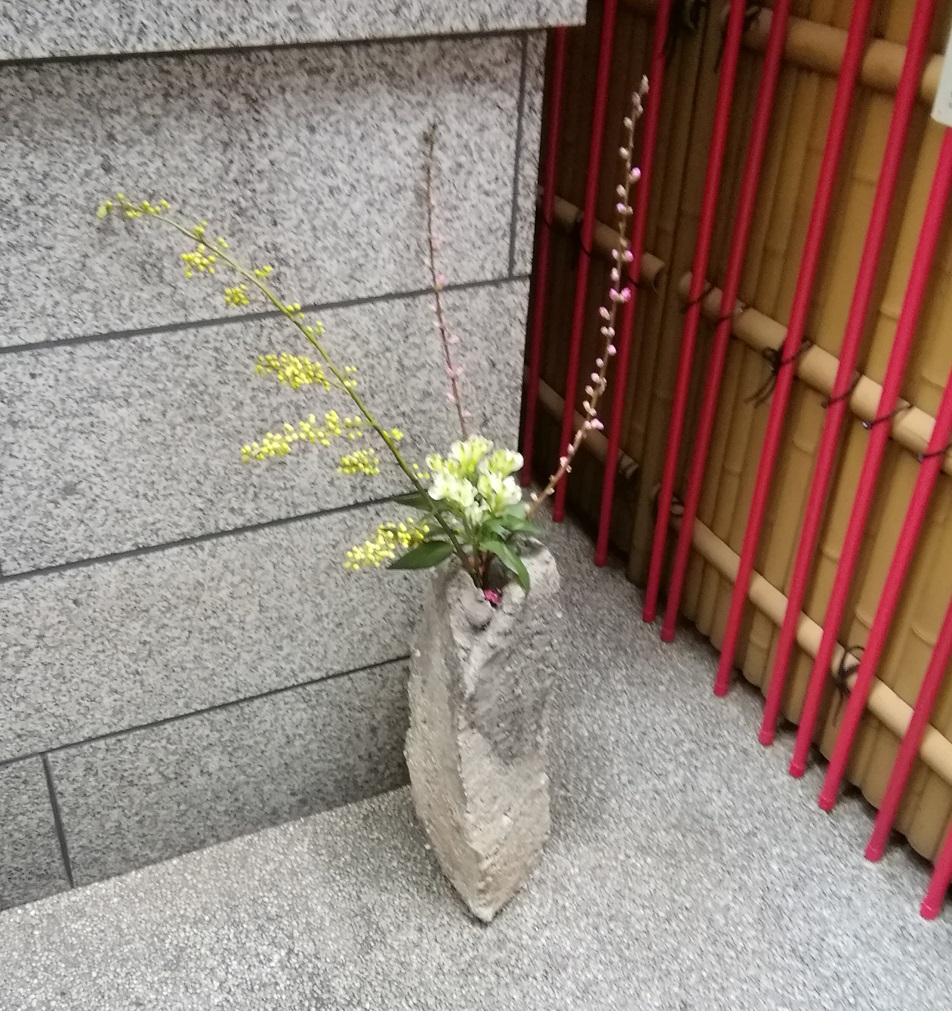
621, 256
437, 286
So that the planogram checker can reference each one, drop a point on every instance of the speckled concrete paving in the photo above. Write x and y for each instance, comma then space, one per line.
686, 870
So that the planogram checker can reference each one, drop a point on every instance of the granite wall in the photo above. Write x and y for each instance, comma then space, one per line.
182, 656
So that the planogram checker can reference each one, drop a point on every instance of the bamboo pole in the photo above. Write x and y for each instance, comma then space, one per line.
691, 116
820, 48
935, 749
882, 130
605, 238
817, 368
596, 442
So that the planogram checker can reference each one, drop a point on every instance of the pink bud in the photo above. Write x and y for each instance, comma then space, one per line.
611, 350
635, 174
597, 425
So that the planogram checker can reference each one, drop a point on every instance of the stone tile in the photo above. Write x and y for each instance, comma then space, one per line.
31, 865
136, 441
106, 647
305, 158
117, 26
154, 793
528, 178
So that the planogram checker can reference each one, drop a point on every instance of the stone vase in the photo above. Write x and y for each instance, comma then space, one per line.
480, 680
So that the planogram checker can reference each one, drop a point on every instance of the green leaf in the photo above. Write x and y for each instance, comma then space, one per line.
496, 527
520, 525
510, 559
416, 500
102, 210
428, 554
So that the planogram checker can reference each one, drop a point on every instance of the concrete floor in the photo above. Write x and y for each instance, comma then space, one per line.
686, 870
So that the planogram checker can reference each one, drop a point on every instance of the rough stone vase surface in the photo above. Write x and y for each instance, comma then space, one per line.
480, 680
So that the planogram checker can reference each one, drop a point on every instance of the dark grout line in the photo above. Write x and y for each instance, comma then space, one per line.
58, 820
149, 549
315, 307
135, 728
228, 50
213, 535
513, 221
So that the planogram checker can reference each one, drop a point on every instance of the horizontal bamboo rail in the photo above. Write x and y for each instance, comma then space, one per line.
935, 750
911, 427
820, 48
568, 217
597, 442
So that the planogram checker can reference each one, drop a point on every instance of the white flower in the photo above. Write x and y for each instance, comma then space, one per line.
468, 454
503, 462
499, 493
476, 514
455, 491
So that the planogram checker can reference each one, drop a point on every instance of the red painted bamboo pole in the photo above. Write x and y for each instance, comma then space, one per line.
722, 333
909, 749
588, 232
553, 130
879, 437
838, 403
939, 883
931, 464
623, 341
849, 70
702, 248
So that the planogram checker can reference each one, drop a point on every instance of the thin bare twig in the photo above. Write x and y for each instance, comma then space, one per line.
436, 280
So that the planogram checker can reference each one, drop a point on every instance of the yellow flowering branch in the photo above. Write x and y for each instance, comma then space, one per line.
204, 258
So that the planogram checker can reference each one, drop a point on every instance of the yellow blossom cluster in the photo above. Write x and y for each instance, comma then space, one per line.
361, 461
131, 210
201, 259
383, 547
237, 296
294, 370
333, 427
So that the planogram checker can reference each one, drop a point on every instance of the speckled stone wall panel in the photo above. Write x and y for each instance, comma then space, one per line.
309, 159
529, 154
105, 647
154, 793
31, 865
136, 441
40, 28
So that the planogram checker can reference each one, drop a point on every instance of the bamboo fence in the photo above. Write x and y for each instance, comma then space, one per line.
813, 51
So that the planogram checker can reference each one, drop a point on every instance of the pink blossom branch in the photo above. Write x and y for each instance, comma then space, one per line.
437, 281
618, 295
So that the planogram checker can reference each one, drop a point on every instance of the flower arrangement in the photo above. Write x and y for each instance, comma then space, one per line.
467, 501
